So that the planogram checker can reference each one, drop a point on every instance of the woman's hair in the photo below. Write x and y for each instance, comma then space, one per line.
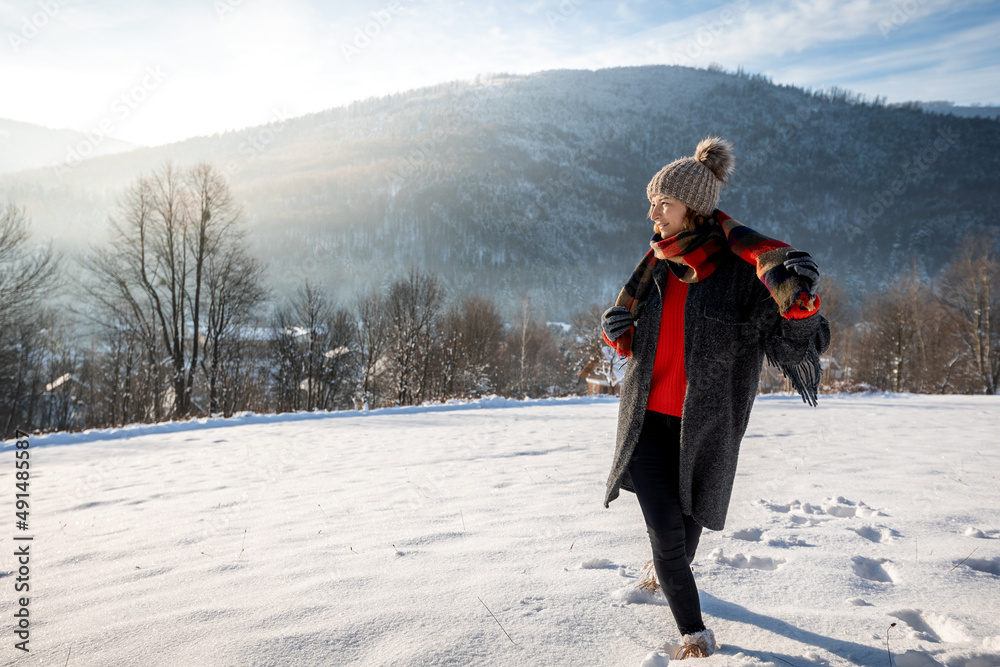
693, 220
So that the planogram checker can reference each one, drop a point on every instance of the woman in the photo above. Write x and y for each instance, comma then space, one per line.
708, 301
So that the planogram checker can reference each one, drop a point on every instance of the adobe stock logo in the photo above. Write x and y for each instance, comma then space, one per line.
566, 9
883, 200
122, 107
30, 27
901, 13
701, 42
363, 35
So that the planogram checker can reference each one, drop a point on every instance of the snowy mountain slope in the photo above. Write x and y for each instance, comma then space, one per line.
394, 538
536, 184
27, 146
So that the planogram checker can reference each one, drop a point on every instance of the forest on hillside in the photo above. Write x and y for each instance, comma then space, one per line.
533, 186
173, 317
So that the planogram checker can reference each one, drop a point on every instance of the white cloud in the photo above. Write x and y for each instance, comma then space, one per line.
233, 71
960, 67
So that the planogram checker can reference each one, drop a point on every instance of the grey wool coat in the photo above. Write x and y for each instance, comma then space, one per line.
730, 323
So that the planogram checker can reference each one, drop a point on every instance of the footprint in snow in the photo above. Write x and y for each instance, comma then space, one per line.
775, 507
786, 542
532, 605
912, 658
632, 595
742, 562
869, 569
875, 533
972, 531
748, 534
843, 508
987, 565
931, 627
807, 520
814, 514
655, 659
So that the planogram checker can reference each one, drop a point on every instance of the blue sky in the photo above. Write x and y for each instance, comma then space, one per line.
158, 72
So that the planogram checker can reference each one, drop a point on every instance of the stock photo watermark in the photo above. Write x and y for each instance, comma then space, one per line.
883, 200
553, 189
365, 34
565, 10
424, 150
761, 154
258, 142
901, 13
31, 26
707, 34
122, 107
223, 7
22, 504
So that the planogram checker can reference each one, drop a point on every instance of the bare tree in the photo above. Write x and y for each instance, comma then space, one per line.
538, 362
338, 370
170, 230
315, 341
412, 307
288, 369
126, 372
525, 332
589, 344
372, 338
970, 286
27, 277
835, 308
234, 284
24, 371
907, 342
472, 346
890, 341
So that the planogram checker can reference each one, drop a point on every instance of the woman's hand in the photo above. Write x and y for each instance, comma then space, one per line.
801, 263
616, 321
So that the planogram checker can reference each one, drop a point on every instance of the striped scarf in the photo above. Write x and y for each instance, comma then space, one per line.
700, 251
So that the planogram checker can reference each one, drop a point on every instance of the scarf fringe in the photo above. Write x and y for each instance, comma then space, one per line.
805, 375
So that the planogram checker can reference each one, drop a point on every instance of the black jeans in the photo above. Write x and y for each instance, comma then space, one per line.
673, 535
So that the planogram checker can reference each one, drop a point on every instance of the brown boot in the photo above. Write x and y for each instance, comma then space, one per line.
698, 645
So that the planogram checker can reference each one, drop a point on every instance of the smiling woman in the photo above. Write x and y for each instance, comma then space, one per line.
669, 216
694, 347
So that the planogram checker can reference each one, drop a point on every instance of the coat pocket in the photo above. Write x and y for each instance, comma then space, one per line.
726, 313
726, 332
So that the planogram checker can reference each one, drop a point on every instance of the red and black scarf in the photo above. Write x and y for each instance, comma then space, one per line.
701, 250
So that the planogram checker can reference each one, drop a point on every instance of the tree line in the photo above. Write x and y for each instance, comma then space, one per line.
173, 318
921, 334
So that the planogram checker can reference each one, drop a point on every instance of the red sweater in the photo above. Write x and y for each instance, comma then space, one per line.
666, 392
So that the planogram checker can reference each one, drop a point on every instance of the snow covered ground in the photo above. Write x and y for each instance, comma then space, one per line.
411, 536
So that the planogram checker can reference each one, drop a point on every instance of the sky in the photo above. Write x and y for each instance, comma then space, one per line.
153, 73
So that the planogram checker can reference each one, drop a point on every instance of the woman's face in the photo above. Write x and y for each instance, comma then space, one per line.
668, 216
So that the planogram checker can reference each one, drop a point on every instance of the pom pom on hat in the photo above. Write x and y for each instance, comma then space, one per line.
716, 153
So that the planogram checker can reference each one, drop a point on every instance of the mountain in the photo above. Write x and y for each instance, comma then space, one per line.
27, 146
972, 111
535, 184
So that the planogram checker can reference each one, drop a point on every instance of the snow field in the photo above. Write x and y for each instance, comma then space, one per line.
394, 538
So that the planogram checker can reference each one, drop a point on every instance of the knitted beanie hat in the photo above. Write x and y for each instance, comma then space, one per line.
695, 181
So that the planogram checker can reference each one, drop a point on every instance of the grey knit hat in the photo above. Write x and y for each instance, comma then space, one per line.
695, 181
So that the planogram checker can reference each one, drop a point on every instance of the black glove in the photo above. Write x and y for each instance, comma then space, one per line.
615, 321
801, 263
